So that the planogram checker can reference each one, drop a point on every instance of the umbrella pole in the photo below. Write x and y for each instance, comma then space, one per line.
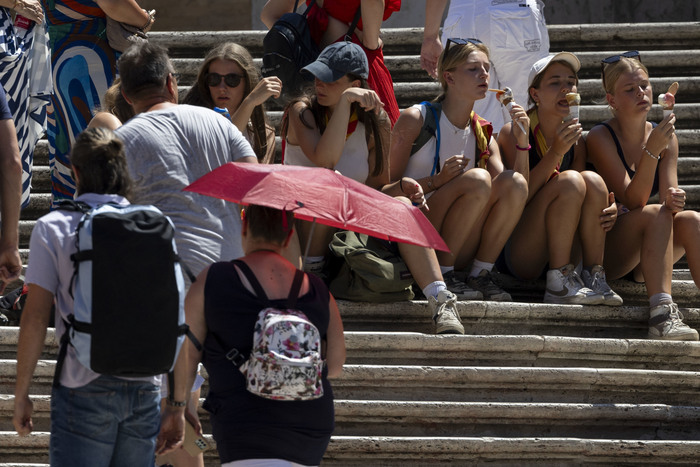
308, 244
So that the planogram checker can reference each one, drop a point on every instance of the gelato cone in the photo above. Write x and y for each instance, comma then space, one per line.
505, 97
668, 100
574, 101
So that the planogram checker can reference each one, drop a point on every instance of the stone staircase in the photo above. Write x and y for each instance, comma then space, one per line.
531, 383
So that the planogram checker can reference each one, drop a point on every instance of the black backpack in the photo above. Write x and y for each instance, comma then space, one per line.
287, 48
128, 317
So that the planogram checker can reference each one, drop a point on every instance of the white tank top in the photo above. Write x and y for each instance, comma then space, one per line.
353, 163
453, 141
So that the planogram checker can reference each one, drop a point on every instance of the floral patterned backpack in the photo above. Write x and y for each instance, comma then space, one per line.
285, 362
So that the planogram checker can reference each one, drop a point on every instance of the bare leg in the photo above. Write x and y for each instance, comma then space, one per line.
591, 233
455, 209
642, 236
547, 227
686, 240
501, 215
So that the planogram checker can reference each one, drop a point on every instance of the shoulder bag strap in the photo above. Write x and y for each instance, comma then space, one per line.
353, 25
294, 290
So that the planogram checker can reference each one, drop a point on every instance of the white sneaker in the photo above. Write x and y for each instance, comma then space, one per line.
564, 286
595, 280
445, 314
665, 323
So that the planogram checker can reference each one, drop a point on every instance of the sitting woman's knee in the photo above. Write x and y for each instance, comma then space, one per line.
571, 183
594, 183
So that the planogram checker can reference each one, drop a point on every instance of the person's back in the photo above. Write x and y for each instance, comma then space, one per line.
169, 149
170, 146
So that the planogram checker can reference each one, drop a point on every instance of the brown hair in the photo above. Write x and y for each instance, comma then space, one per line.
269, 224
374, 123
98, 155
538, 80
115, 103
200, 95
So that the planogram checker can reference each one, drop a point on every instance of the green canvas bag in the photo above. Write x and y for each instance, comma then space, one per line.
370, 272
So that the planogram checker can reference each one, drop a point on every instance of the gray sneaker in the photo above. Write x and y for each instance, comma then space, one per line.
595, 280
564, 286
459, 288
665, 323
445, 314
484, 283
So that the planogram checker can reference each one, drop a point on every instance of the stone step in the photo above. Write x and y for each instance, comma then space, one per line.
415, 450
411, 348
403, 41
436, 418
477, 383
406, 68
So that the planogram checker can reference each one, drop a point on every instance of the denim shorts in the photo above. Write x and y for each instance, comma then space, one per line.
107, 422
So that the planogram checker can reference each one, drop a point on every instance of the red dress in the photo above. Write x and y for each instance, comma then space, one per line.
379, 77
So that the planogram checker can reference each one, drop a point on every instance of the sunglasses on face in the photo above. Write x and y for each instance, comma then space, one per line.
458, 41
617, 58
214, 79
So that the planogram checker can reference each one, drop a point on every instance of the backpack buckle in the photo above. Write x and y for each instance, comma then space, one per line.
235, 357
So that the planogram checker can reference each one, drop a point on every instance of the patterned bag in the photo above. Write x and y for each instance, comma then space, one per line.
285, 362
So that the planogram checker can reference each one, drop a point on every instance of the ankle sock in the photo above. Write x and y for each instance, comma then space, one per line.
478, 266
434, 288
659, 299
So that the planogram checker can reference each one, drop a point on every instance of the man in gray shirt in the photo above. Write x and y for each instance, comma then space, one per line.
169, 146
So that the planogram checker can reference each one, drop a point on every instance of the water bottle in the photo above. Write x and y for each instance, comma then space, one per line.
223, 111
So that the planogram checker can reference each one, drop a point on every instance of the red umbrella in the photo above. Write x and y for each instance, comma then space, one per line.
322, 195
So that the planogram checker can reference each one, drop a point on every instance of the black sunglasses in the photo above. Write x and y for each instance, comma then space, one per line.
617, 58
214, 79
458, 41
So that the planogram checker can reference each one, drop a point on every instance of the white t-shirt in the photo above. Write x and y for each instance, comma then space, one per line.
171, 148
353, 163
50, 267
453, 141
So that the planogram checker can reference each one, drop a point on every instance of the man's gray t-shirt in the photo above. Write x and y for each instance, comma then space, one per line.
171, 148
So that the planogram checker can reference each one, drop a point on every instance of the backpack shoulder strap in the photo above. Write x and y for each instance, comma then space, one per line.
250, 275
62, 349
430, 125
294, 289
72, 205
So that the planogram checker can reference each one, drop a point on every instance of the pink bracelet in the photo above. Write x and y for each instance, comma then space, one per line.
523, 149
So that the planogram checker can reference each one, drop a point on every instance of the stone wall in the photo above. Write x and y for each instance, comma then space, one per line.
222, 15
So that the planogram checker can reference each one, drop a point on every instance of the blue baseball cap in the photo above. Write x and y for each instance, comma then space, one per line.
337, 60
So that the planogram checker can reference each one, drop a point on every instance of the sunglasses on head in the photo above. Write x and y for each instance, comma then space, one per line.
214, 79
459, 41
617, 58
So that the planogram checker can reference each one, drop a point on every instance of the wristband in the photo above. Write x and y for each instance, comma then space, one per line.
174, 403
523, 149
650, 154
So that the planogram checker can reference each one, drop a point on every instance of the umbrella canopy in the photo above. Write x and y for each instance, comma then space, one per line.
314, 193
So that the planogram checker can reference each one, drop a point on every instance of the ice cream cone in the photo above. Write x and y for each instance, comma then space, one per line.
574, 101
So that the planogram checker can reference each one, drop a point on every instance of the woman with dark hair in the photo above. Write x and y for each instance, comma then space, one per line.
222, 307
639, 159
566, 204
228, 79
